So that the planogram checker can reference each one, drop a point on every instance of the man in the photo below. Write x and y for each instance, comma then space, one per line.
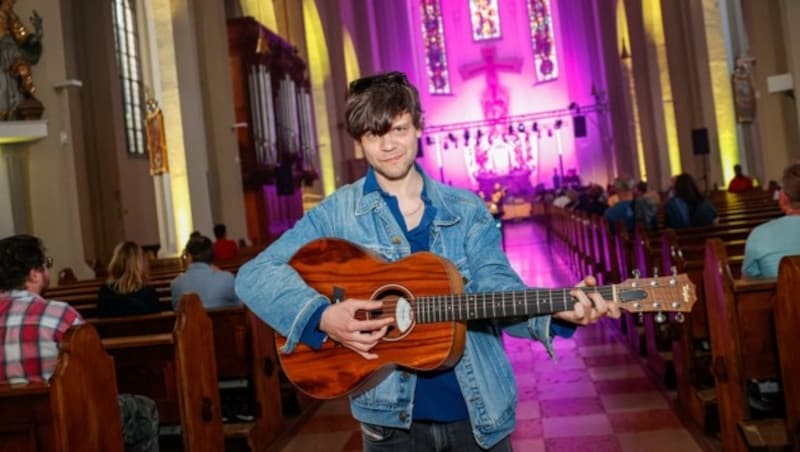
622, 209
645, 206
769, 242
224, 248
740, 183
31, 328
214, 286
394, 211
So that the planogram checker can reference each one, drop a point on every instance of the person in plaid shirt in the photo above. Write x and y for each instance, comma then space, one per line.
31, 328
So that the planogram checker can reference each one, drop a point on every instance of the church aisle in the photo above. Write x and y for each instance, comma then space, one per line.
596, 397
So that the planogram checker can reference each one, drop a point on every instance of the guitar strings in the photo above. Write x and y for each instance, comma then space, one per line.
542, 296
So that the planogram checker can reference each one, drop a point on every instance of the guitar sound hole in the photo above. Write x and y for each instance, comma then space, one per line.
397, 303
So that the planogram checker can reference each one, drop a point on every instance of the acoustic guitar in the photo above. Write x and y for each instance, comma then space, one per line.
424, 294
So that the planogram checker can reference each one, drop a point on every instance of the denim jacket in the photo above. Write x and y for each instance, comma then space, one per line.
464, 232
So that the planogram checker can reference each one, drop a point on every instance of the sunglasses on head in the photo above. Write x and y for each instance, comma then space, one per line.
360, 85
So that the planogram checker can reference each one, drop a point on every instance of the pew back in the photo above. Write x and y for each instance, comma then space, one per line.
787, 326
75, 411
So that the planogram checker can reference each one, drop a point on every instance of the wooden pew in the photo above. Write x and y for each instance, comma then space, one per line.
177, 369
244, 350
743, 345
75, 411
691, 362
787, 328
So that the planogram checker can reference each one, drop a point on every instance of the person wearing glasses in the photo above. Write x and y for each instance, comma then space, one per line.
396, 210
31, 328
771, 241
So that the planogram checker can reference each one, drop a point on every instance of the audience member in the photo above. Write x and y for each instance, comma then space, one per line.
771, 241
224, 248
645, 206
125, 292
572, 179
622, 210
592, 200
740, 183
31, 328
688, 207
214, 286
565, 198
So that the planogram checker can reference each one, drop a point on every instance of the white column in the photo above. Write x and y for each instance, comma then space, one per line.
7, 218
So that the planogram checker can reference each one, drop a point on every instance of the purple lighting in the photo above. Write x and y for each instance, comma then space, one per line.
543, 42
435, 49
501, 123
485, 19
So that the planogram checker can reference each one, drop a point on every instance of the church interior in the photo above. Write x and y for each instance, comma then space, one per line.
193, 114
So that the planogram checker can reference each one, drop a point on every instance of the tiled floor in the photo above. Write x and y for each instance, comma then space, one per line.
595, 397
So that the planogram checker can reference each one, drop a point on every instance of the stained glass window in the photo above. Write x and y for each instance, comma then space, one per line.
544, 44
485, 19
130, 74
435, 52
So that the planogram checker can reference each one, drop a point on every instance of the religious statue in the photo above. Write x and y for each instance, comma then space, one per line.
19, 50
744, 99
156, 136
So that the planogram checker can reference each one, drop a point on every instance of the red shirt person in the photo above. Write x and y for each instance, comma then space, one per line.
224, 249
740, 183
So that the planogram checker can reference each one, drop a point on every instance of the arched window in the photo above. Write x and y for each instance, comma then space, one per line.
130, 73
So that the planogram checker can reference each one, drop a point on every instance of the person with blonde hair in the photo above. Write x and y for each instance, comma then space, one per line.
125, 292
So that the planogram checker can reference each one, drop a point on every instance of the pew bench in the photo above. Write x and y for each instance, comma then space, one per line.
743, 343
176, 368
76, 410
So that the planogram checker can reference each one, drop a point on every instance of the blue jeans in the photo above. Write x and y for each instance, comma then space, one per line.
426, 437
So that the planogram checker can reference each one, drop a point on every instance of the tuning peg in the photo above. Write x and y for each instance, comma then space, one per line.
673, 280
660, 317
639, 318
679, 318
636, 273
655, 272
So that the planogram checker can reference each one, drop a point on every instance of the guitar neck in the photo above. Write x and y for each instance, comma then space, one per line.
493, 305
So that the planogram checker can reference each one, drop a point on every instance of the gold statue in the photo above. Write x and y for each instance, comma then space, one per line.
19, 50
156, 136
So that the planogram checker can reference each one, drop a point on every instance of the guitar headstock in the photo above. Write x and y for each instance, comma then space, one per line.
663, 294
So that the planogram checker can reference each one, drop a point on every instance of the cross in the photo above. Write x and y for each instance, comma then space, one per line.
494, 99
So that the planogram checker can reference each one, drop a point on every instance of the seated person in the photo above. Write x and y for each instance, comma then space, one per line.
740, 183
592, 200
688, 207
125, 292
30, 341
771, 241
645, 206
224, 248
214, 286
622, 210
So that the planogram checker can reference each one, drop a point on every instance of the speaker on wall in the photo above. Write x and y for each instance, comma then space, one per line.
700, 141
579, 126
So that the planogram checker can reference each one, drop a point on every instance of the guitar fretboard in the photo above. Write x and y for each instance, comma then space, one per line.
460, 307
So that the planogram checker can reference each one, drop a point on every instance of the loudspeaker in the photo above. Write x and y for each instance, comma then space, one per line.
579, 126
700, 141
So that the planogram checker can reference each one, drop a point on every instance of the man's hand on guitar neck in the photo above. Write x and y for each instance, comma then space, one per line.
590, 307
339, 322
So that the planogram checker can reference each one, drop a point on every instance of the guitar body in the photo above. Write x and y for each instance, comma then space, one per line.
335, 370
